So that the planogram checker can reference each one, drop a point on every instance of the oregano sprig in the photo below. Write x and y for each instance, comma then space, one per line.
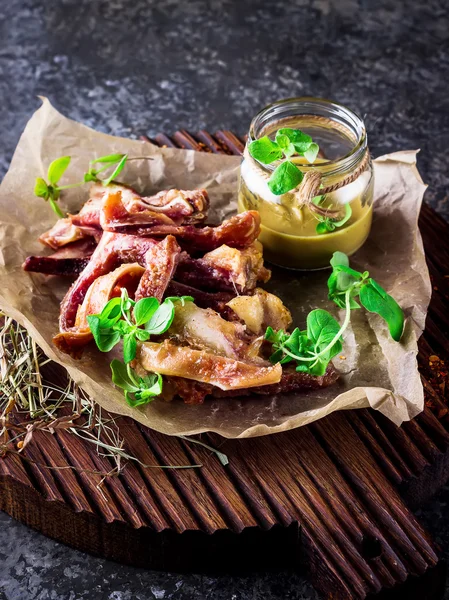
50, 191
287, 143
313, 348
138, 390
328, 224
123, 319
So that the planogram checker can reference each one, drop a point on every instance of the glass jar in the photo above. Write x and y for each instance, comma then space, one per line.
332, 207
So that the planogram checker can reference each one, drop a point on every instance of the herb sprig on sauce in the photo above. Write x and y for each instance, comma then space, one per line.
287, 143
328, 224
313, 348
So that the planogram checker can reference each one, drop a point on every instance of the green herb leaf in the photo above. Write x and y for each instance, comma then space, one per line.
161, 319
111, 313
339, 258
145, 309
298, 138
322, 328
41, 188
312, 152
282, 140
285, 144
90, 176
57, 169
265, 150
118, 169
105, 339
285, 177
145, 394
375, 299
182, 299
120, 377
110, 158
55, 208
126, 301
324, 226
138, 390
318, 368
142, 335
129, 347
345, 219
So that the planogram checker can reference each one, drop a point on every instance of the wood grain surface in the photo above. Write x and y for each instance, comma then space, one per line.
333, 498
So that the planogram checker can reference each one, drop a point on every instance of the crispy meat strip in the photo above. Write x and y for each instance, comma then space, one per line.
112, 251
124, 211
116, 207
225, 373
206, 329
237, 232
261, 310
68, 261
161, 261
225, 269
215, 300
195, 392
99, 293
89, 215
64, 232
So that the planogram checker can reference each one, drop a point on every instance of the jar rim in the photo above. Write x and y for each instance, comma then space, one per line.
336, 112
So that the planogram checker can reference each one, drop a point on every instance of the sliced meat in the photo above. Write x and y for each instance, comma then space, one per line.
124, 211
204, 328
161, 261
112, 251
98, 295
225, 373
216, 300
225, 269
237, 232
195, 392
261, 310
89, 215
68, 261
64, 232
121, 209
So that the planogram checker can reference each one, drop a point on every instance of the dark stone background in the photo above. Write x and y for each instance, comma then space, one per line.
144, 66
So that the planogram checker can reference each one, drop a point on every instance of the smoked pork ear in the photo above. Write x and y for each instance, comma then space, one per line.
161, 261
225, 269
116, 205
68, 261
225, 373
64, 232
122, 210
240, 231
195, 392
98, 295
261, 310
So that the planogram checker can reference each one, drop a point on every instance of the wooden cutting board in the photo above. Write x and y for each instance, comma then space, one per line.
333, 499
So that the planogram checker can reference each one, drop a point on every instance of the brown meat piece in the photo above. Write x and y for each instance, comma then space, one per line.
195, 392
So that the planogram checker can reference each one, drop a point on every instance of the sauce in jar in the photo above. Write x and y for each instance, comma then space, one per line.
344, 186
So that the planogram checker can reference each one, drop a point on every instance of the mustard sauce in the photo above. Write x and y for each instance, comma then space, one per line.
288, 229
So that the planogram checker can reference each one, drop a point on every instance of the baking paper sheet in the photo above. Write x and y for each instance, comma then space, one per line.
376, 371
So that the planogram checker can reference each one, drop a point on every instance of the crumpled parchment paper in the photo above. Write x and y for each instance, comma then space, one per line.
376, 371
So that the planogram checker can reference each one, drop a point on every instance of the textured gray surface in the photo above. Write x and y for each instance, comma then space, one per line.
146, 66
